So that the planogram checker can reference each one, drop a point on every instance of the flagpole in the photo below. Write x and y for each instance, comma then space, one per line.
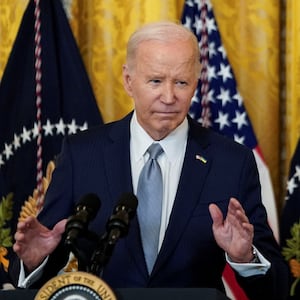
38, 91
205, 115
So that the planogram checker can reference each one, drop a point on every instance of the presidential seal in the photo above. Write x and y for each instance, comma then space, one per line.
75, 286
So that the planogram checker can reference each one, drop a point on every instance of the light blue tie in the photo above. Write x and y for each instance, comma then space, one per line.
150, 194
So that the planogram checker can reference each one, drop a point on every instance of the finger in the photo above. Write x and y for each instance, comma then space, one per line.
248, 227
26, 224
31, 221
235, 205
236, 213
238, 218
216, 214
242, 217
16, 248
19, 236
21, 226
59, 228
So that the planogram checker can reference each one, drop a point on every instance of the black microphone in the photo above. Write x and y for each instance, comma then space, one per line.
85, 211
116, 227
118, 224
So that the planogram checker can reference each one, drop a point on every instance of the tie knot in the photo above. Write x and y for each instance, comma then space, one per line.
155, 150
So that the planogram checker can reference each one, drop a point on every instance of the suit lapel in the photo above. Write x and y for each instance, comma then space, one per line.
118, 168
117, 160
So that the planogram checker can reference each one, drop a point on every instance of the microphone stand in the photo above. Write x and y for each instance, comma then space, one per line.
83, 261
117, 227
102, 254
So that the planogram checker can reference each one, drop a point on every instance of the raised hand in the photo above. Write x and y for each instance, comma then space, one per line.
34, 242
234, 234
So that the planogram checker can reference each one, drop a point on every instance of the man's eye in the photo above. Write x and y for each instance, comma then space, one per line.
181, 83
155, 81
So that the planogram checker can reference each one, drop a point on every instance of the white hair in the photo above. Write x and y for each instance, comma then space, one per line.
164, 31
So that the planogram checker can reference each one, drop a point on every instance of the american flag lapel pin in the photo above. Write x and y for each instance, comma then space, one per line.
201, 158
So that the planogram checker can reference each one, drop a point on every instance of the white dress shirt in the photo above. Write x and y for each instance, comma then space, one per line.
170, 162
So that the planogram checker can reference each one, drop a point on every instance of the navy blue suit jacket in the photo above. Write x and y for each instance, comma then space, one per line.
98, 161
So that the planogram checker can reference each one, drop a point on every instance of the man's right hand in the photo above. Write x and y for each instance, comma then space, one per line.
34, 242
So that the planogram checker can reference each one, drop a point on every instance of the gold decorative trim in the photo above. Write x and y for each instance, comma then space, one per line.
75, 285
31, 206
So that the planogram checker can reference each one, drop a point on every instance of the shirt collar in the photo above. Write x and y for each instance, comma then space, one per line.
173, 144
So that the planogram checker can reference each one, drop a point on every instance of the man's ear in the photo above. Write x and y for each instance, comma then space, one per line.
127, 80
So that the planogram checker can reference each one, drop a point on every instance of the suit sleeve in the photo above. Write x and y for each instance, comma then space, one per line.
273, 285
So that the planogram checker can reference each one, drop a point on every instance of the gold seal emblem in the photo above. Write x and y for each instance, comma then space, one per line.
75, 286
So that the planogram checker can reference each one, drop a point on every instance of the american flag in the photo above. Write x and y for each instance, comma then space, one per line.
290, 217
291, 210
228, 114
218, 104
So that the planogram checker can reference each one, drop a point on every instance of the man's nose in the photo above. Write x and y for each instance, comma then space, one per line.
168, 95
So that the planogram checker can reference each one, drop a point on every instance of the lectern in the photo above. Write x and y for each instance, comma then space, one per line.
82, 285
137, 294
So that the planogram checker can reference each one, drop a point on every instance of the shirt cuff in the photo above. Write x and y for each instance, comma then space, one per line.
250, 269
25, 282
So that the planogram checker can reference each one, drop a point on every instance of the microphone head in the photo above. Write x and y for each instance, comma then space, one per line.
90, 203
128, 202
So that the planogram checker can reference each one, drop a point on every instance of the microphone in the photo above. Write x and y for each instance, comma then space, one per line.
118, 224
116, 227
85, 211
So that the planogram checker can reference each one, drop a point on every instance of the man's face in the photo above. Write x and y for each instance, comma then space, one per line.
162, 81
